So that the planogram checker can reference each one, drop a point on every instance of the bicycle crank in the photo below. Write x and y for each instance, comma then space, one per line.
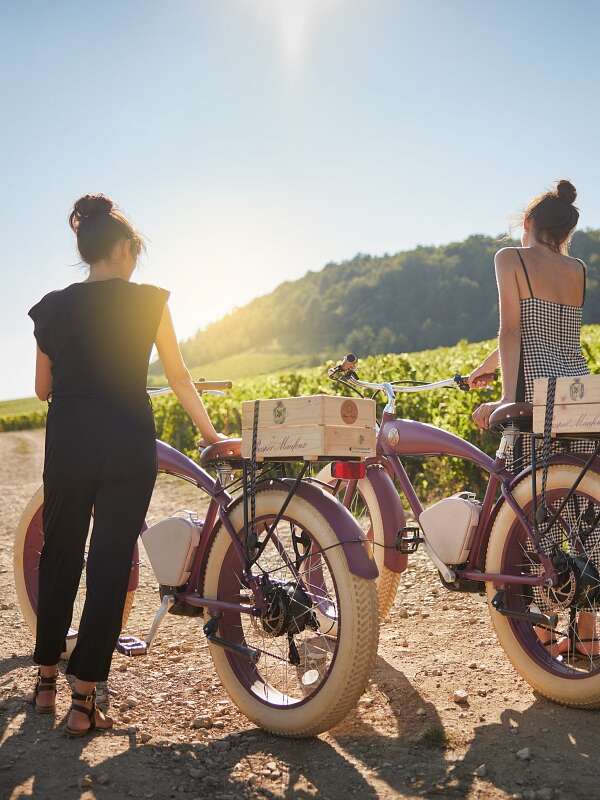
210, 630
550, 621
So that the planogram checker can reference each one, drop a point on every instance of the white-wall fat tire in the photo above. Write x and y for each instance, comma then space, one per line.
388, 580
20, 541
576, 692
357, 642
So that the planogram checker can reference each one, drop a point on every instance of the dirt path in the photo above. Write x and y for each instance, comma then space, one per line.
406, 739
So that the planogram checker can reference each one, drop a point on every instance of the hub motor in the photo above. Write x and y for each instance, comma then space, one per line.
578, 583
289, 610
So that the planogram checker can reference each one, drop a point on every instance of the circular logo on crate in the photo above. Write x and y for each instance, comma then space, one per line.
393, 437
349, 412
576, 390
279, 413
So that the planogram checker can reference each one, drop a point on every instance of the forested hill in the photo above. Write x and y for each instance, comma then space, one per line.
412, 300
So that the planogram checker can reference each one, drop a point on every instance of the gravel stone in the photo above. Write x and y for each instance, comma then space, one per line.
203, 721
460, 696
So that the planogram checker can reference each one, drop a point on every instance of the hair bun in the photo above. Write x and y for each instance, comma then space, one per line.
566, 192
90, 205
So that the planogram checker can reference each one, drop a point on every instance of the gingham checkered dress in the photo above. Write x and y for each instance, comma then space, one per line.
550, 348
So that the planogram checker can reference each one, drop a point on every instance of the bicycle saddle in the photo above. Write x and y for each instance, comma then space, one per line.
225, 450
518, 414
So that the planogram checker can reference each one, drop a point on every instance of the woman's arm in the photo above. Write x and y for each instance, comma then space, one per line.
43, 375
483, 375
180, 379
509, 335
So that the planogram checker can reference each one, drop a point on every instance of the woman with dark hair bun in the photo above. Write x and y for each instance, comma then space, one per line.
94, 340
541, 292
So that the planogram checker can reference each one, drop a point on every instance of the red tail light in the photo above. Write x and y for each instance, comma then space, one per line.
349, 470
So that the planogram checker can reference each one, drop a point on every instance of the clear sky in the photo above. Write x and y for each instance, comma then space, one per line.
252, 140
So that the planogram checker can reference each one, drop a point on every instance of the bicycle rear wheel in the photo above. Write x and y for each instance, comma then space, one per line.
567, 671
29, 539
305, 688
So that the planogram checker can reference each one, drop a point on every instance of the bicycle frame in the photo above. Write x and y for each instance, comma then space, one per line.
172, 462
398, 437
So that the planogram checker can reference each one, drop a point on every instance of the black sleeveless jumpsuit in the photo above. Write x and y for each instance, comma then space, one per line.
100, 457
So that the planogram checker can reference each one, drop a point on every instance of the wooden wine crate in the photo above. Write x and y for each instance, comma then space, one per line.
316, 409
576, 405
310, 428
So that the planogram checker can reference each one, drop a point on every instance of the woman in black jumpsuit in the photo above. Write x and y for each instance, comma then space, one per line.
94, 344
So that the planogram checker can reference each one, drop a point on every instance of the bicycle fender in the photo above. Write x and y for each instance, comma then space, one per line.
577, 460
392, 514
356, 547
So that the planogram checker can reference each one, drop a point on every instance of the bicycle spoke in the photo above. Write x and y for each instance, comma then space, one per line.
292, 565
573, 544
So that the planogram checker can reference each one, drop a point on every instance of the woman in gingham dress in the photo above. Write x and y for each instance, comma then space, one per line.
541, 293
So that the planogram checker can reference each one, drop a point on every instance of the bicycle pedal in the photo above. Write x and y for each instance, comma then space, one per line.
408, 540
131, 646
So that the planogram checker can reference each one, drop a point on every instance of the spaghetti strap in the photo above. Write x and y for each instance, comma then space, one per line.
583, 267
525, 271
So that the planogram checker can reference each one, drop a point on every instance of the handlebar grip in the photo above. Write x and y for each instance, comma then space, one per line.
462, 380
204, 386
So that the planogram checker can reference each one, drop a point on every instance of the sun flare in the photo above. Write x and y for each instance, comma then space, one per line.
295, 25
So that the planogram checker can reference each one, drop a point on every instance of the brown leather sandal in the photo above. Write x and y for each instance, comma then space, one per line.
44, 683
90, 712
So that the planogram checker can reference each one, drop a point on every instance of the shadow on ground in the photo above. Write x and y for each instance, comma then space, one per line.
411, 757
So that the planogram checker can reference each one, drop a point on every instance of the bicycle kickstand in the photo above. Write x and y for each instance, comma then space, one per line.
132, 645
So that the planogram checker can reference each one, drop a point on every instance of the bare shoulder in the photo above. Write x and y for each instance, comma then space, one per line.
505, 261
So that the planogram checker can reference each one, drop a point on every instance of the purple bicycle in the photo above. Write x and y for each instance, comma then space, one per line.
540, 571
284, 586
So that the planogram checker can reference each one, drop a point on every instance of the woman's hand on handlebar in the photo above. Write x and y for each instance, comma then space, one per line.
485, 373
481, 377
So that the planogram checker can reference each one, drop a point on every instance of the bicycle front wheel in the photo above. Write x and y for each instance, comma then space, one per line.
303, 684
562, 664
365, 510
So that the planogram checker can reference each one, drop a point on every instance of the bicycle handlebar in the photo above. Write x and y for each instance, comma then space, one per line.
344, 372
208, 386
202, 387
